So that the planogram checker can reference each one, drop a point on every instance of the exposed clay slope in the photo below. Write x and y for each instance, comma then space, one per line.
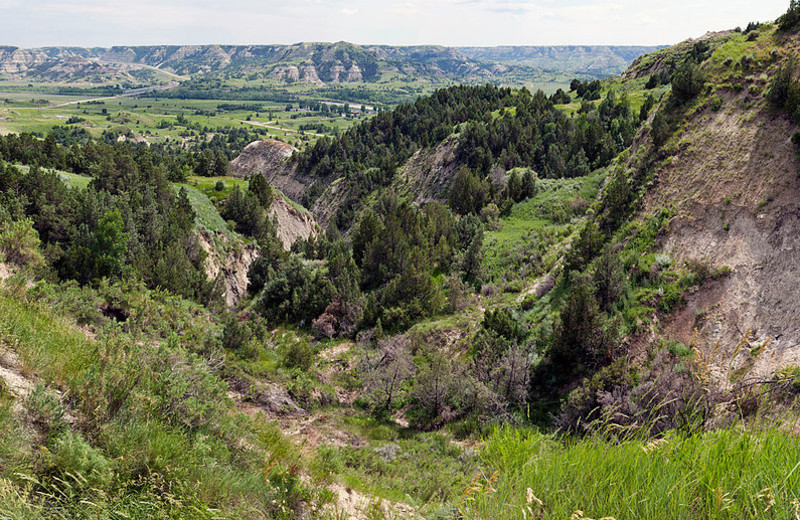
733, 181
269, 158
332, 198
264, 157
428, 174
425, 177
293, 223
229, 261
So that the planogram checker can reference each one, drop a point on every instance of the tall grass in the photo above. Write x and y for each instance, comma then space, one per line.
47, 345
152, 433
728, 474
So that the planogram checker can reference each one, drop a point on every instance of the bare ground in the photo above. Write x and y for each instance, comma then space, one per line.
734, 184
323, 428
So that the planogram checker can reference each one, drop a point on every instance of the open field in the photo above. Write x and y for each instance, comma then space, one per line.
158, 120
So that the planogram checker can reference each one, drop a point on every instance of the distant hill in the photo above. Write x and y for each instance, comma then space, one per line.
313, 63
597, 60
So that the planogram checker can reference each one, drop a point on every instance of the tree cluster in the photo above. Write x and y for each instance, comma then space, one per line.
129, 222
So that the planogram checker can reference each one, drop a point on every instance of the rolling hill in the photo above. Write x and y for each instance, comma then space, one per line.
315, 63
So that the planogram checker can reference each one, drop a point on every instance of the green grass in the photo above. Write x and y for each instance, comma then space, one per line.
46, 345
149, 414
34, 108
537, 223
207, 214
72, 179
726, 474
207, 185
426, 471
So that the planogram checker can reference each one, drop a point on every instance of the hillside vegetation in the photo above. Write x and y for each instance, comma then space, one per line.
517, 305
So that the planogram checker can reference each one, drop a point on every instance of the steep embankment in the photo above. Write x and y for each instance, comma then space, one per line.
424, 178
292, 223
734, 183
229, 256
428, 174
730, 175
264, 157
269, 158
228, 260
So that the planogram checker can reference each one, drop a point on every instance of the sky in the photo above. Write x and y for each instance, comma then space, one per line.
35, 23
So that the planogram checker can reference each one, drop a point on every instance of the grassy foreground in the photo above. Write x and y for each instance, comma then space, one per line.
724, 474
126, 426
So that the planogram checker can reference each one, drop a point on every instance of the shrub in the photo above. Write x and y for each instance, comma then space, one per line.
661, 129
385, 374
677, 349
687, 82
528, 302
74, 459
609, 279
579, 342
613, 404
19, 243
299, 354
237, 338
189, 395
45, 412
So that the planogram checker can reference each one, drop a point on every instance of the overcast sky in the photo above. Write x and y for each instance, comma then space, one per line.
33, 23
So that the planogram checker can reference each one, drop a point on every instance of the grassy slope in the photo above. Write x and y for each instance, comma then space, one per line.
137, 462
538, 223
726, 474
739, 472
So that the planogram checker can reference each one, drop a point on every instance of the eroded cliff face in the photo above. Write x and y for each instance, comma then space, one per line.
264, 157
733, 185
292, 223
426, 177
315, 63
270, 159
228, 261
229, 257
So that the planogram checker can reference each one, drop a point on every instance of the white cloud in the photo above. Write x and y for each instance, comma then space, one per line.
406, 9
448, 22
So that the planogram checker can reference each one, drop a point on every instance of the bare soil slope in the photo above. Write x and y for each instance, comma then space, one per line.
230, 260
734, 183
261, 157
293, 223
